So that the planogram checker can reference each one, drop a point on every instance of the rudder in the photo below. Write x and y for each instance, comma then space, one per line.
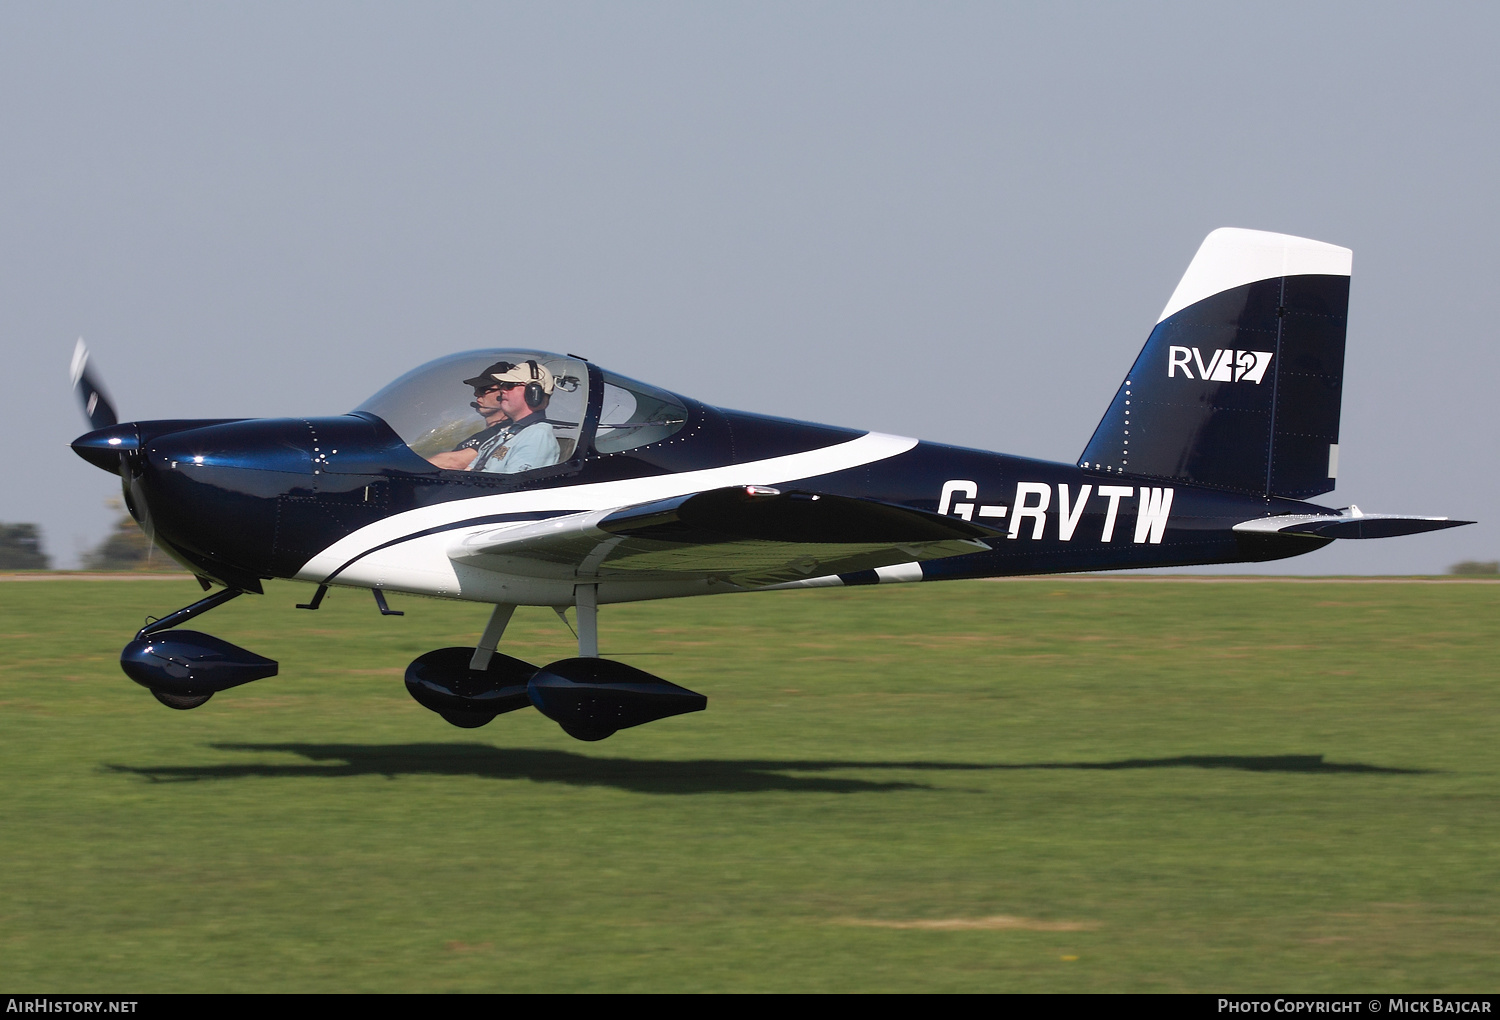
1240, 383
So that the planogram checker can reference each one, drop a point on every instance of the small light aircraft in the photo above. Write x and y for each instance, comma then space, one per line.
522, 478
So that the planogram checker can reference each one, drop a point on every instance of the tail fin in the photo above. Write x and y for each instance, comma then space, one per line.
1239, 385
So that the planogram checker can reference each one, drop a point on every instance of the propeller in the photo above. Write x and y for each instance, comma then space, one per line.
96, 405
115, 449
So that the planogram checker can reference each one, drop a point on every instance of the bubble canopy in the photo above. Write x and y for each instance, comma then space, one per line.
431, 407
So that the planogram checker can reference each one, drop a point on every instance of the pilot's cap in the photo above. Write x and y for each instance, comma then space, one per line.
510, 372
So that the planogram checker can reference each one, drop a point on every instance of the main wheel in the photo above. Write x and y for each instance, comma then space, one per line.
468, 720
181, 702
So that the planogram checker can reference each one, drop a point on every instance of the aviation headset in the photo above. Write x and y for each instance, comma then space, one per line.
534, 393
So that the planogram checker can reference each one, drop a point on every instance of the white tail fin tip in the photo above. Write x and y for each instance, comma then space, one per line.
1232, 257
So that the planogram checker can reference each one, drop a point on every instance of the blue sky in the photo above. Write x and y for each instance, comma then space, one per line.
954, 221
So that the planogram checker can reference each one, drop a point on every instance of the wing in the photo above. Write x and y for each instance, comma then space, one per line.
751, 536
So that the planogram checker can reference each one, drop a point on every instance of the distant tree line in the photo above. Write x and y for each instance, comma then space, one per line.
1475, 567
21, 548
126, 547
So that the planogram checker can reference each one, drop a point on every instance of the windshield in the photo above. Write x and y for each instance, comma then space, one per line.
530, 409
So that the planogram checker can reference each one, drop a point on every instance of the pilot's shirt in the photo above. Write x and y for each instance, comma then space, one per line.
515, 446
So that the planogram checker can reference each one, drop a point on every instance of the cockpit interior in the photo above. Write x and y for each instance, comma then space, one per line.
435, 409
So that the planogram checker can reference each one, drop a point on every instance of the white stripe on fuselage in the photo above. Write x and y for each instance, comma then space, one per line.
867, 449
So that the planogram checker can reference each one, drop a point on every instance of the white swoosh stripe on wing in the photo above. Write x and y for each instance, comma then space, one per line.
867, 449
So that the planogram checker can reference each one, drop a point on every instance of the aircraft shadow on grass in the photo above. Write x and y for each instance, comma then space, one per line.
711, 775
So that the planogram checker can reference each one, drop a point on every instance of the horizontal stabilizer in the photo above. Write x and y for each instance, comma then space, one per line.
1348, 525
749, 535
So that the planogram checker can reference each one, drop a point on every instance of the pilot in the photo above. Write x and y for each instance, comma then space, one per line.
512, 399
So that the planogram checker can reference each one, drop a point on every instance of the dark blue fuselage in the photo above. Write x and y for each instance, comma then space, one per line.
241, 501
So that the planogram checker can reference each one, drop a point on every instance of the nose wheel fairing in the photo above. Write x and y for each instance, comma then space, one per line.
184, 668
191, 664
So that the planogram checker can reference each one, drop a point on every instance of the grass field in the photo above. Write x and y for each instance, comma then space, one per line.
1032, 785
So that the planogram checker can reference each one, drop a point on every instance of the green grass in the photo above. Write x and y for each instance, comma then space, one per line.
1171, 786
